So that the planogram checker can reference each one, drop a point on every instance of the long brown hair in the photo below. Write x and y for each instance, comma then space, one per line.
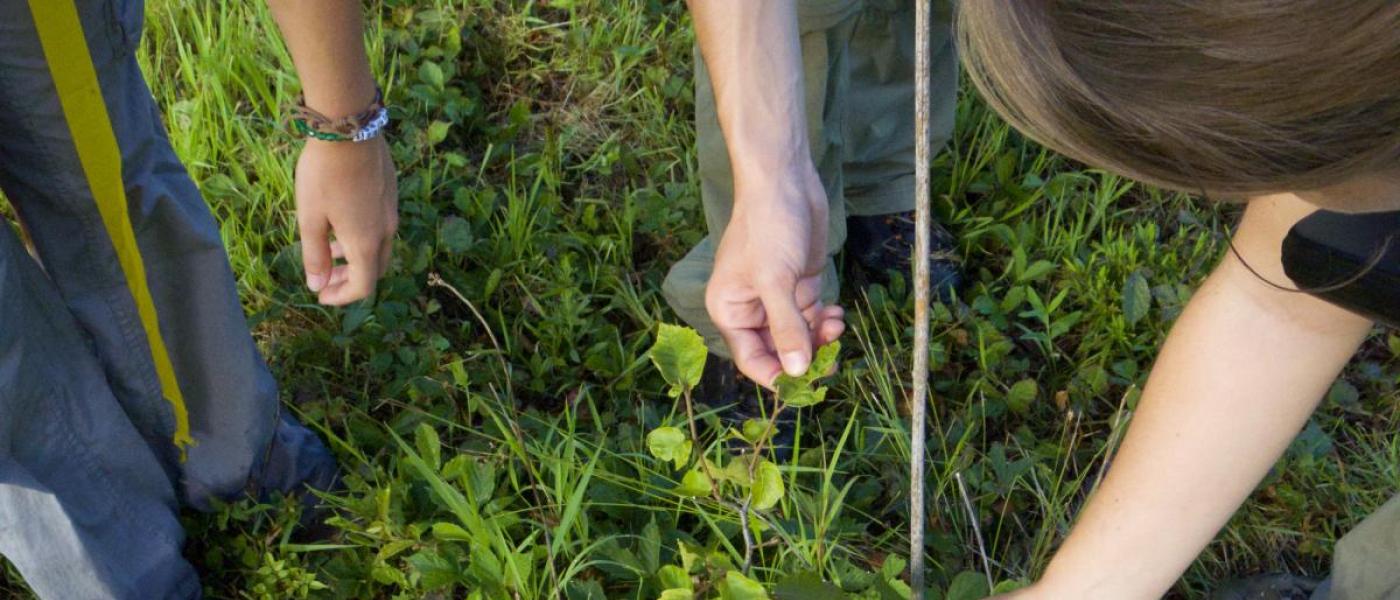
1230, 97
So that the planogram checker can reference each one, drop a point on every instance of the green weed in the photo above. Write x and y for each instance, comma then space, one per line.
492, 404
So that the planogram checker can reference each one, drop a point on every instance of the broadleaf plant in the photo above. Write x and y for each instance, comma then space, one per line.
720, 471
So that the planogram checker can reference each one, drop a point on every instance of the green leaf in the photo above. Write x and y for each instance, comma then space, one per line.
797, 392
673, 577
669, 443
767, 486
806, 586
450, 532
968, 585
437, 132
1021, 395
695, 483
431, 74
1345, 395
1137, 298
575, 504
737, 587
735, 472
649, 547
1009, 585
676, 594
425, 438
824, 363
456, 235
691, 556
754, 430
679, 354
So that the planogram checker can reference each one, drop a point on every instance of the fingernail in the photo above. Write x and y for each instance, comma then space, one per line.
795, 363
316, 281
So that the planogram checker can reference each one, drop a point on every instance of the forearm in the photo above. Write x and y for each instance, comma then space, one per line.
326, 41
1229, 392
754, 58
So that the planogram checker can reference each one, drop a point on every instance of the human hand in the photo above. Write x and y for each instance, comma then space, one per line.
764, 295
347, 191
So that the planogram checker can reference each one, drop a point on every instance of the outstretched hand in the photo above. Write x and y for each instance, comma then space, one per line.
347, 211
764, 295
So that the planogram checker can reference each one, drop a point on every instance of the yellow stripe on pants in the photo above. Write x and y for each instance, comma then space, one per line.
75, 78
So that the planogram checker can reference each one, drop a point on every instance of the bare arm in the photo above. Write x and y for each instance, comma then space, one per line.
1236, 380
764, 293
344, 190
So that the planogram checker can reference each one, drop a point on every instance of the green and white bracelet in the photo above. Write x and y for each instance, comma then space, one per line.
362, 126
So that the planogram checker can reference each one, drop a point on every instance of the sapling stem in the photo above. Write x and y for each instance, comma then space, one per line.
922, 28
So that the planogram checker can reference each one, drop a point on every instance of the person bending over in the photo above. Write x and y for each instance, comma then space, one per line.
129, 383
1291, 106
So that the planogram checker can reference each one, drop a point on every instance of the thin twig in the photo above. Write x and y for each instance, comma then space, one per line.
748, 536
922, 26
976, 530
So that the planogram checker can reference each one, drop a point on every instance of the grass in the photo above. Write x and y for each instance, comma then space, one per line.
490, 406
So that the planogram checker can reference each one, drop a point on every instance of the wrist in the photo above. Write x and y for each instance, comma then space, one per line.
343, 101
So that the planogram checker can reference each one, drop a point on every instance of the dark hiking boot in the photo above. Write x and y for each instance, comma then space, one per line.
880, 244
739, 399
1275, 586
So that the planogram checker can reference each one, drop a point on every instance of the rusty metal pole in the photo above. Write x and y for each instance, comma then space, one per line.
920, 398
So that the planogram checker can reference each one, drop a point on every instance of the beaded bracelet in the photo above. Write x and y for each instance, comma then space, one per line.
362, 126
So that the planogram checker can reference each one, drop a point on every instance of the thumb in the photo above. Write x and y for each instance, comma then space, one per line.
791, 337
316, 252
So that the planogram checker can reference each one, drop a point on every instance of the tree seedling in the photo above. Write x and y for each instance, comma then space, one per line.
746, 482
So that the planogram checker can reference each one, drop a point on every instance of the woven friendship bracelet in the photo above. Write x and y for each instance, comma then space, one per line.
362, 126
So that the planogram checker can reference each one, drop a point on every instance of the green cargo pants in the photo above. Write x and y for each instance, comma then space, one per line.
1364, 566
858, 68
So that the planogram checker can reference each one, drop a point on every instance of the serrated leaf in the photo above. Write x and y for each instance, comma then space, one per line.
1137, 298
767, 487
737, 587
695, 483
1021, 395
669, 443
679, 354
456, 235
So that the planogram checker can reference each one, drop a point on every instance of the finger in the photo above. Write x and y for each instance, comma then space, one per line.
337, 250
316, 252
829, 331
791, 337
753, 358
817, 313
339, 275
362, 273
